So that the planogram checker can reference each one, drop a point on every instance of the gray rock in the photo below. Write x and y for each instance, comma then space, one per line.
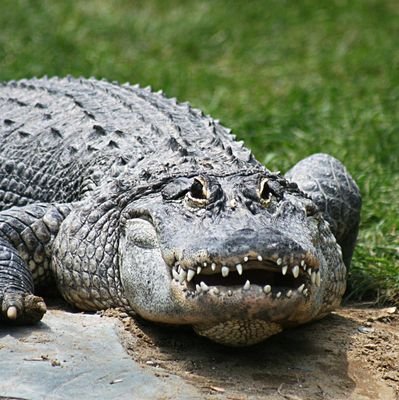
69, 356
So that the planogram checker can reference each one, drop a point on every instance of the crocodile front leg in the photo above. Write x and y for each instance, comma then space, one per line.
336, 194
26, 236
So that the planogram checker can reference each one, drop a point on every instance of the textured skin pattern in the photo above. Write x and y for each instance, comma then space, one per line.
335, 193
76, 155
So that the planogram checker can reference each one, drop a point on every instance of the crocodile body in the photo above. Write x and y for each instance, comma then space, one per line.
121, 197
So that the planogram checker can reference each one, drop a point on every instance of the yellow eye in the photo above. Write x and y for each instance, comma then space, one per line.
265, 193
198, 193
197, 190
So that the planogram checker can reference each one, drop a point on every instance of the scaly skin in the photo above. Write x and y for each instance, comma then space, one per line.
122, 197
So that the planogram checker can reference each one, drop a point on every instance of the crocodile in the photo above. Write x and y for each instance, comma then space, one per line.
119, 196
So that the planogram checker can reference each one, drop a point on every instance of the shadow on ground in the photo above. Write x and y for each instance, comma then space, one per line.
310, 359
309, 362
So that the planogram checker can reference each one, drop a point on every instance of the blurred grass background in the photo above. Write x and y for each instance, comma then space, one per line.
290, 78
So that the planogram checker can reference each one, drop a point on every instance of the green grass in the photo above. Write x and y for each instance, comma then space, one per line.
291, 78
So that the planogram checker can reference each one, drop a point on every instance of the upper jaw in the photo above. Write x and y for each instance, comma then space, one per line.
274, 276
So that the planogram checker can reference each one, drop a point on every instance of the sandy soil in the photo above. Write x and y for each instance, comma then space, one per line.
351, 354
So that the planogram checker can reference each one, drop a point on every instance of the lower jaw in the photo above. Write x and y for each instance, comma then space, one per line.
252, 308
239, 333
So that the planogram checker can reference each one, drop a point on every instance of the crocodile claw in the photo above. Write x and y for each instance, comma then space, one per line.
22, 308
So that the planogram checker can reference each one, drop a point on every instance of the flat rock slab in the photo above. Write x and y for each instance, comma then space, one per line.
70, 356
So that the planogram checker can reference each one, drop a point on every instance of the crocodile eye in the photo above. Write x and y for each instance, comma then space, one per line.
198, 193
197, 190
265, 192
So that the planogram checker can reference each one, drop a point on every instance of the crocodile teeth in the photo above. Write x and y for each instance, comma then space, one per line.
318, 278
190, 275
300, 289
204, 286
310, 271
267, 289
213, 266
175, 274
279, 261
239, 269
205, 264
303, 263
313, 277
247, 285
229, 293
278, 295
295, 271
216, 290
198, 288
246, 259
182, 276
199, 269
305, 292
289, 293
259, 258
284, 269
225, 271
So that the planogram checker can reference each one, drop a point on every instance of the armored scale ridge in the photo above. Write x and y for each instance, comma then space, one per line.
121, 197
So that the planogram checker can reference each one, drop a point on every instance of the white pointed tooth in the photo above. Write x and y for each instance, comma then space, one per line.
246, 259
313, 277
198, 288
239, 269
229, 293
301, 288
278, 295
247, 285
190, 275
182, 275
284, 269
175, 274
318, 278
310, 271
279, 261
205, 264
225, 271
295, 271
204, 286
259, 258
305, 292
213, 266
289, 293
199, 269
302, 263
267, 289
216, 290
179, 269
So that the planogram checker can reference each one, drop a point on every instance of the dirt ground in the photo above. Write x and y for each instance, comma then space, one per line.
351, 354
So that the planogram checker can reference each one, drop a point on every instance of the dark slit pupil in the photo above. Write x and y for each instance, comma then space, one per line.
197, 190
266, 191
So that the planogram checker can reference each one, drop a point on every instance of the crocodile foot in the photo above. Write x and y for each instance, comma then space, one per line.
22, 308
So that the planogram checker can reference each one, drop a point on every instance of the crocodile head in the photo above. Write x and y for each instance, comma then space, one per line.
237, 257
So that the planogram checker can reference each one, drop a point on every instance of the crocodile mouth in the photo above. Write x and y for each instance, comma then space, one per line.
279, 277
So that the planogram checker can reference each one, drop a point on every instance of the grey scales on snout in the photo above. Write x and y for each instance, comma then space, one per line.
121, 197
